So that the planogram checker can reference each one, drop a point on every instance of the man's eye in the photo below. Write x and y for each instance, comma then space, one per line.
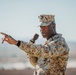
44, 26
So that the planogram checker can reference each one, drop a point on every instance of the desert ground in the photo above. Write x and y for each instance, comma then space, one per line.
69, 71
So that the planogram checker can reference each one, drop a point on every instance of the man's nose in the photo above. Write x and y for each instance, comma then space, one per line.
42, 29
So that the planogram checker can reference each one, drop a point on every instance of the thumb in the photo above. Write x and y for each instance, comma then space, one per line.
3, 40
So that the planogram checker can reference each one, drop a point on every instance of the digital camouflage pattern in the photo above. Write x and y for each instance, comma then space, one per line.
46, 19
50, 58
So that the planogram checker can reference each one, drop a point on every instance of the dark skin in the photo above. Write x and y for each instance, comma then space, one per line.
46, 31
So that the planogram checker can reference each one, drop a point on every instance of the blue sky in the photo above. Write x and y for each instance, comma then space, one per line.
19, 18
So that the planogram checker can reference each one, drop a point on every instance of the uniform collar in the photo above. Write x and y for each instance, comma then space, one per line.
54, 37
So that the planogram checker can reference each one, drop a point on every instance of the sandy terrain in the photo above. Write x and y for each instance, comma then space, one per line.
70, 71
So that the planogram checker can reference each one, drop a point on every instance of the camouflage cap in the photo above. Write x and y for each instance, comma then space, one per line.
46, 19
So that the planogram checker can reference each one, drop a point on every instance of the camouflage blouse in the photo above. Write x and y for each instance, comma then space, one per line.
50, 58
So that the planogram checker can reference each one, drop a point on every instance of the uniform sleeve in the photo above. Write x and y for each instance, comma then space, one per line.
33, 60
56, 48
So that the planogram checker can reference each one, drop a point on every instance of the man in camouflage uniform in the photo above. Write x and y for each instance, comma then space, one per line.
50, 58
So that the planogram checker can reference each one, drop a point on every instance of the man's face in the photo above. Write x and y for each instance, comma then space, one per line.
46, 31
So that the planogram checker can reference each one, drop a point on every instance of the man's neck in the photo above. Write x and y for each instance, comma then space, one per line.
51, 35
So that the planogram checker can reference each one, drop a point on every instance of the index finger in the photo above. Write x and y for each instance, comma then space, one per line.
3, 33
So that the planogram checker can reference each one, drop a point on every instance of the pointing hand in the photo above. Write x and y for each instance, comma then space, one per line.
8, 39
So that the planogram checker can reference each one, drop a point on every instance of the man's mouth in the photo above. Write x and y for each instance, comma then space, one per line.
43, 33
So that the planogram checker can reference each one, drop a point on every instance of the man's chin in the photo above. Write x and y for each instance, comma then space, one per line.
43, 36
